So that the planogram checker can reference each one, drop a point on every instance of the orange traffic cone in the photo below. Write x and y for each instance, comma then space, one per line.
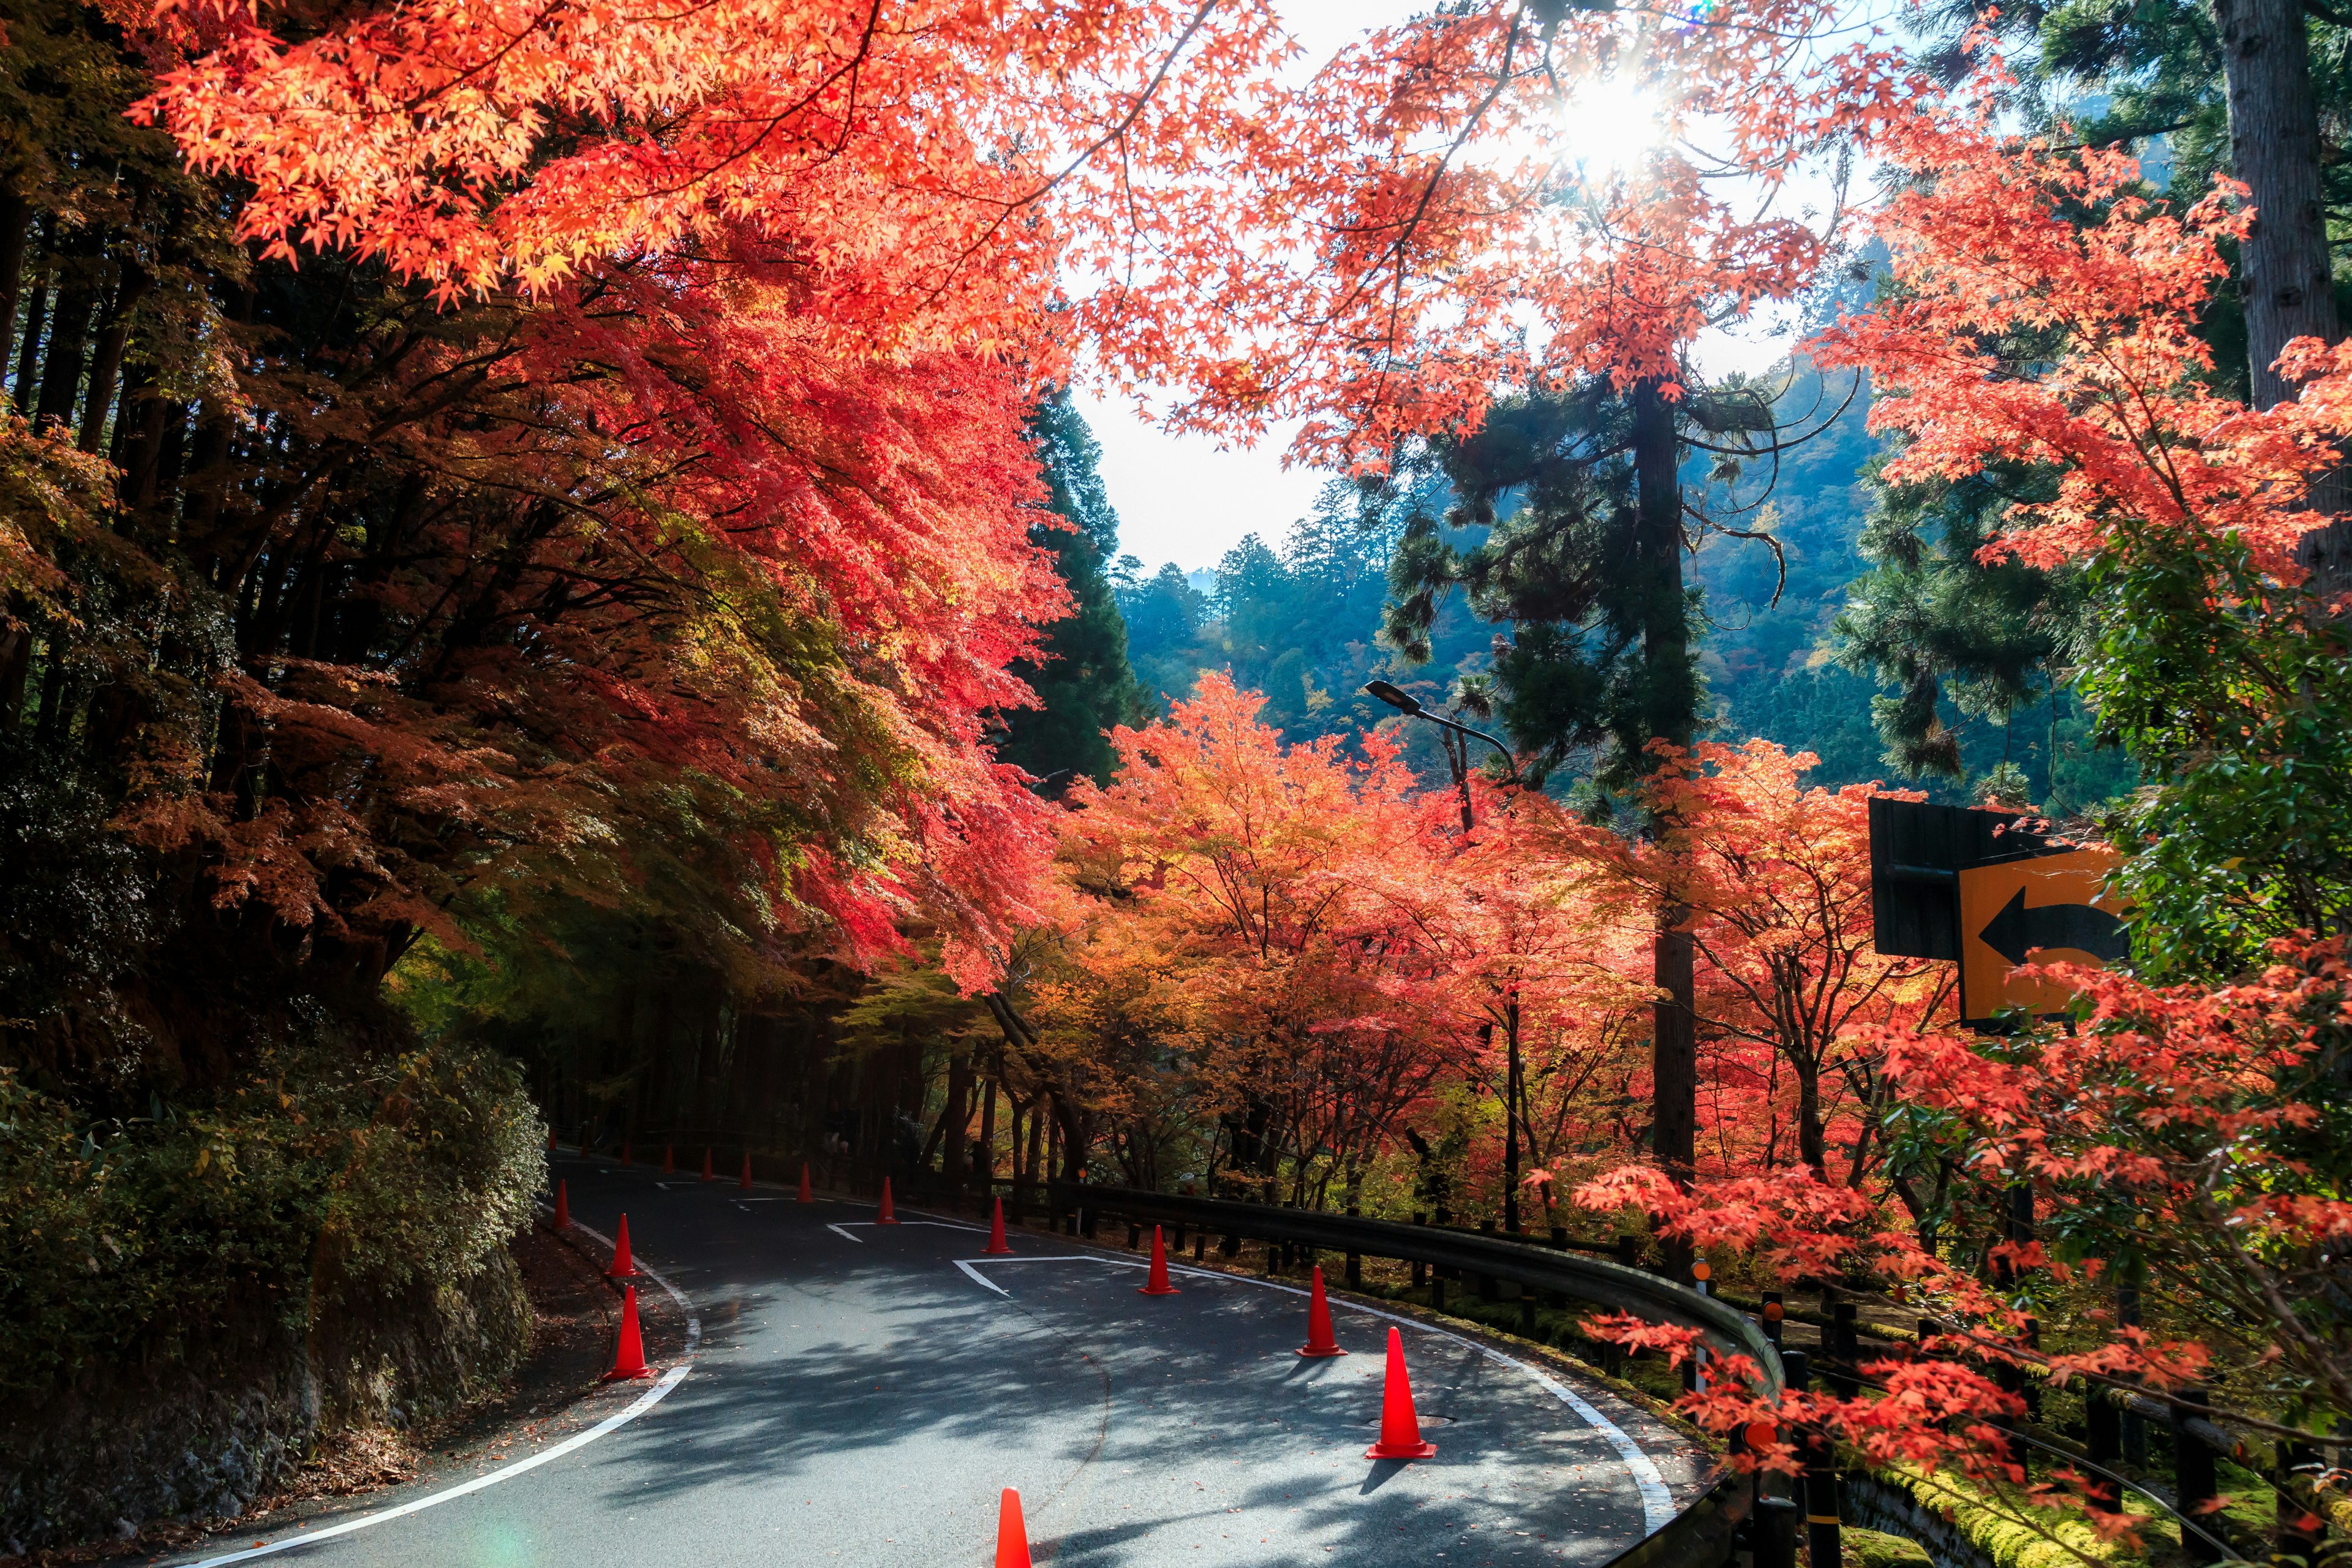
551, 1140
563, 1208
706, 1164
624, 1150
746, 1182
804, 1186
888, 1216
668, 1164
1012, 1535
629, 1355
1400, 1428
997, 1246
1320, 1341
1157, 1284
622, 1267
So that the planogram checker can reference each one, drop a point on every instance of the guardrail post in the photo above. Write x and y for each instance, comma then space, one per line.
1134, 1236
1176, 1237
1355, 1260
1201, 1248
2135, 1428
1485, 1282
2192, 1474
1823, 1547
1436, 1292
2103, 1428
1232, 1246
1629, 1251
1420, 1269
1845, 1345
2010, 1379
1775, 1535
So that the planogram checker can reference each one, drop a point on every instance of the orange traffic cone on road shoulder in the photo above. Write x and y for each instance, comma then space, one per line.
1012, 1534
1319, 1341
805, 1196
622, 1267
563, 1208
629, 1355
1400, 1428
624, 1150
1157, 1285
668, 1164
996, 1242
551, 1140
746, 1182
706, 1164
886, 1214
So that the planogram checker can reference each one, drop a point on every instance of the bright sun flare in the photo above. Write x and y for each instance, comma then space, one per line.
1605, 125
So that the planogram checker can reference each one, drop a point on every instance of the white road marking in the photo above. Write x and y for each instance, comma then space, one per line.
966, 1265
1657, 1501
645, 1402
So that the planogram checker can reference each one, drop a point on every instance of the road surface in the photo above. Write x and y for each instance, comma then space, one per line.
858, 1394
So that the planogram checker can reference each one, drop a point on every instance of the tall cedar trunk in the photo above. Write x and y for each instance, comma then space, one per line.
15, 228
988, 1133
106, 365
67, 352
955, 1118
28, 352
1665, 647
2289, 280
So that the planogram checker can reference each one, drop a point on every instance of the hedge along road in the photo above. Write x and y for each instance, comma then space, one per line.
859, 1393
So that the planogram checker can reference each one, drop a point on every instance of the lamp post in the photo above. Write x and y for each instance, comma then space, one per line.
1459, 736
1405, 702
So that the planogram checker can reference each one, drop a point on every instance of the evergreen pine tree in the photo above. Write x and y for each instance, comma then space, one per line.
1084, 684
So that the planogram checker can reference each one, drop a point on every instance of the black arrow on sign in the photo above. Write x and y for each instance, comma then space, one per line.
2018, 930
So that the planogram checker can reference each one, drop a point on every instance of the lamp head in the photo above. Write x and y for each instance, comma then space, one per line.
1404, 702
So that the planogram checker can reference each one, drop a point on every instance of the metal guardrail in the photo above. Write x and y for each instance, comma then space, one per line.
1700, 1536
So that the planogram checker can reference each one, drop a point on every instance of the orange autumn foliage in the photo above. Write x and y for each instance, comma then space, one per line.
1153, 180
2018, 331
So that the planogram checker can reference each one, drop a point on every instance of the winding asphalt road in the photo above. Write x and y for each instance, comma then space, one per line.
839, 1392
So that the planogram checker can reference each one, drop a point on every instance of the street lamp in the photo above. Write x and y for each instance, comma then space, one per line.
1405, 702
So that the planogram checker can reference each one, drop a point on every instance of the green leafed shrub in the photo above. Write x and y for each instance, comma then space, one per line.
181, 1233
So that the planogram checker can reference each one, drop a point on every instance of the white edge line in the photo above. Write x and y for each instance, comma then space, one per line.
937, 1224
1657, 1501
645, 1402
843, 1234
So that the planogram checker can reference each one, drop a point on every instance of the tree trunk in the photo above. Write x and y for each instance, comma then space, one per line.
2289, 280
1665, 648
28, 352
955, 1119
1813, 1145
15, 228
988, 1138
106, 365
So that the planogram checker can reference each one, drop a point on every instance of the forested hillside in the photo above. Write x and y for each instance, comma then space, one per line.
1295, 612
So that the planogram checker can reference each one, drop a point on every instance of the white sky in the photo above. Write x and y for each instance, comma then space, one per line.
1184, 498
